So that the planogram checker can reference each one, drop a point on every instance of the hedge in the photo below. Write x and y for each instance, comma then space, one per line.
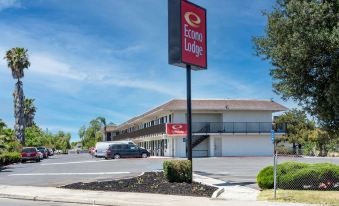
9, 158
301, 176
178, 170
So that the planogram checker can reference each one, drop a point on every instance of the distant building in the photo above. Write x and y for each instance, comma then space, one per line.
220, 128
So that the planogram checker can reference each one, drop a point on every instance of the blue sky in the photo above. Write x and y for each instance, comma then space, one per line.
109, 58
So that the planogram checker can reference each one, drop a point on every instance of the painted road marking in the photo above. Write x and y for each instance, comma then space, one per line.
69, 173
80, 162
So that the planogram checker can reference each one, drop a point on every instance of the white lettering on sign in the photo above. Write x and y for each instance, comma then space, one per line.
195, 36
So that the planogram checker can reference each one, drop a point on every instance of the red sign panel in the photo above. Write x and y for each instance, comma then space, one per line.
193, 35
176, 129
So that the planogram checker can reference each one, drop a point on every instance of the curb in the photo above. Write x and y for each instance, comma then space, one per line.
218, 192
47, 199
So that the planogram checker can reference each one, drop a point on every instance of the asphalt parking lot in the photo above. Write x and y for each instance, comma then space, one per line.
59, 170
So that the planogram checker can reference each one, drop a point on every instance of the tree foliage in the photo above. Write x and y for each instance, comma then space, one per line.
298, 125
302, 43
91, 134
29, 112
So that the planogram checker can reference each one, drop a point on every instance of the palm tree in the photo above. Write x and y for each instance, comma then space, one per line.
29, 112
103, 122
17, 60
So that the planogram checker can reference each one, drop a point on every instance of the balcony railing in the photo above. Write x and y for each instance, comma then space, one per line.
156, 129
237, 127
209, 127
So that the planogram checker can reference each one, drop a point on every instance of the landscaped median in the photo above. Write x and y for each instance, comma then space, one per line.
301, 182
175, 180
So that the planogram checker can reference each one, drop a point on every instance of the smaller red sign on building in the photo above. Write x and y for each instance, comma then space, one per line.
176, 129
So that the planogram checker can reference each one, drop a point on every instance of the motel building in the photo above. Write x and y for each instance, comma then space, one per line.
219, 127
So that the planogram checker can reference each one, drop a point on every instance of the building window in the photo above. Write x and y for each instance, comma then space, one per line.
170, 118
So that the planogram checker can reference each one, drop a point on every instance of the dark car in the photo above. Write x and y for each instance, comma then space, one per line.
44, 151
117, 151
30, 154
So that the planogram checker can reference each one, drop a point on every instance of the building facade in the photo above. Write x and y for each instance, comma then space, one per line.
220, 128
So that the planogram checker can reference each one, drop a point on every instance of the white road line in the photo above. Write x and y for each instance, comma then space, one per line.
80, 162
69, 173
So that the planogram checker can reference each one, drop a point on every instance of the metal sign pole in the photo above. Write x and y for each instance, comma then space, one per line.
274, 164
189, 115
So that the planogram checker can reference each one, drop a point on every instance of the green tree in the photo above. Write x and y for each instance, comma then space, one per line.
321, 138
36, 137
298, 126
29, 112
91, 135
17, 60
104, 125
8, 141
302, 43
2, 124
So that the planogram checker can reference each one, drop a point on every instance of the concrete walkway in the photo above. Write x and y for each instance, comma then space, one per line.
118, 198
227, 192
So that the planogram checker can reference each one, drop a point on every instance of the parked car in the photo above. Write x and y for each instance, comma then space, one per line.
44, 151
30, 154
101, 147
41, 155
116, 151
50, 152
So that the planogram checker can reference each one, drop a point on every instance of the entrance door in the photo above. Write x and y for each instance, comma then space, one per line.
217, 146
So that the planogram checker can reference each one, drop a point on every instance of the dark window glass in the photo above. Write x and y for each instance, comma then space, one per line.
115, 146
28, 150
125, 146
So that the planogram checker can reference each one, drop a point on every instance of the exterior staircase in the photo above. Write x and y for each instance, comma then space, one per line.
197, 139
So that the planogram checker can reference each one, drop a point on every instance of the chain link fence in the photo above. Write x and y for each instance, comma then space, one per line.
296, 171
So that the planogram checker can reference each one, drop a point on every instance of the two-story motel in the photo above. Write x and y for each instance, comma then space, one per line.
220, 128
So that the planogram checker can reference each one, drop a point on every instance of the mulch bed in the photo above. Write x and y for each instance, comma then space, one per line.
149, 182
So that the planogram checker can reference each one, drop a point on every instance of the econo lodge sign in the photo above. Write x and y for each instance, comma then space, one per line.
187, 34
176, 129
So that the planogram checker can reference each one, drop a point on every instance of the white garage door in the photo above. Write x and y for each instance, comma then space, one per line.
256, 145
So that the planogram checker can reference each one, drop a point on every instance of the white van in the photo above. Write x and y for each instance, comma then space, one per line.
101, 147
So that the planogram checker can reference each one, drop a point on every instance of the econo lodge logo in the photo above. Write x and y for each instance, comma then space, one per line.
192, 19
193, 38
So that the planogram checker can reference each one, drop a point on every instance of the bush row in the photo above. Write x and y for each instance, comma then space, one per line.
178, 170
301, 176
9, 158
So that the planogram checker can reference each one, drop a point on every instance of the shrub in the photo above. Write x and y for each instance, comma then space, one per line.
9, 158
265, 178
178, 170
295, 175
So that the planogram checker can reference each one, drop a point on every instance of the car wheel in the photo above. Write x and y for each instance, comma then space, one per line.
116, 156
38, 160
23, 161
144, 155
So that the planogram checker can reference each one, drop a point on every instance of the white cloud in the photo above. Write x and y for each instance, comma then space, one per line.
45, 64
5, 4
48, 65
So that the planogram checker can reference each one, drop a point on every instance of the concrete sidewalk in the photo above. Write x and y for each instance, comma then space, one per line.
118, 198
227, 192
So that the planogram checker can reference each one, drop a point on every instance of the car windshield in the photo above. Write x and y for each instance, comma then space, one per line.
28, 150
41, 150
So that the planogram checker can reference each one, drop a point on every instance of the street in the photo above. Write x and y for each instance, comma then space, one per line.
59, 170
